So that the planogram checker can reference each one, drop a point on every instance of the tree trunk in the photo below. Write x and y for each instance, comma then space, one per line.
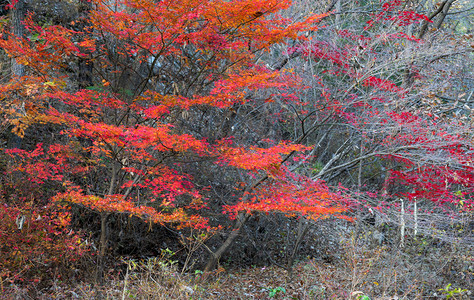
215, 256
303, 227
442, 11
85, 65
18, 30
18, 70
102, 247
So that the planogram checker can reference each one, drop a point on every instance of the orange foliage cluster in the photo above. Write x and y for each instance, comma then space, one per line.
294, 196
117, 204
255, 158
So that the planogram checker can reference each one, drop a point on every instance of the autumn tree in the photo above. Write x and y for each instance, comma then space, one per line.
168, 78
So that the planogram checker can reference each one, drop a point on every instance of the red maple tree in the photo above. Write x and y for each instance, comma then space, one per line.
121, 144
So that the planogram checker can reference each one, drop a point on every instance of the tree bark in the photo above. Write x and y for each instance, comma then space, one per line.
443, 10
17, 70
102, 247
215, 256
18, 30
85, 65
303, 227
103, 231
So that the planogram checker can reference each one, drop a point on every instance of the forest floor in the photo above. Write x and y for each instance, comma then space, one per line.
381, 272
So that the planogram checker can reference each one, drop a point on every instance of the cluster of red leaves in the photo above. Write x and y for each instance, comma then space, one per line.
446, 181
38, 166
393, 11
35, 242
382, 84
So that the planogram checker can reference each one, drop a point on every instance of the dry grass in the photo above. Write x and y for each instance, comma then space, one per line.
380, 272
357, 267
